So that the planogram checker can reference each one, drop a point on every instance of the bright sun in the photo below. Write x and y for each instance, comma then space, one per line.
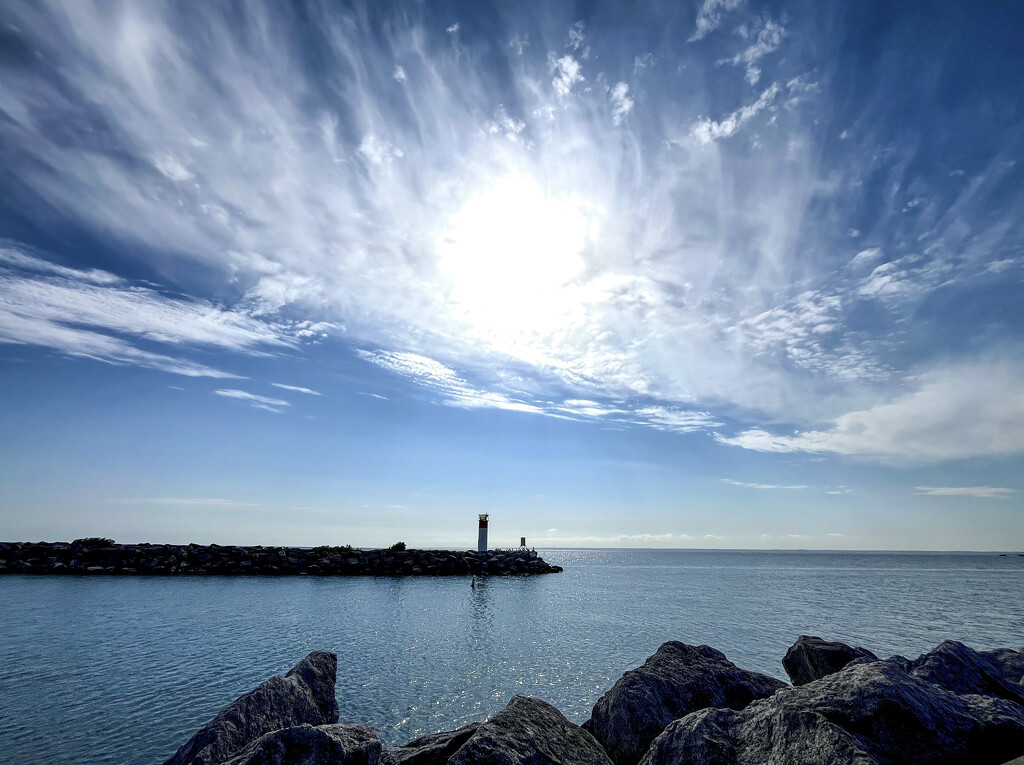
511, 253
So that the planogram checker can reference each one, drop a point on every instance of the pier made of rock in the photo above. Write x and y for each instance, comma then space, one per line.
194, 559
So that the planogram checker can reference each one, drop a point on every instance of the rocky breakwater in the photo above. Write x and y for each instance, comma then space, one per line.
106, 557
687, 705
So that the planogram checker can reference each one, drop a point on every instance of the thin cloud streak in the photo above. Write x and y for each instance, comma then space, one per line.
983, 492
761, 485
297, 389
266, 403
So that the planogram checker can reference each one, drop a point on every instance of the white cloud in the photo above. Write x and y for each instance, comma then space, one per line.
435, 376
983, 492
519, 43
398, 73
761, 485
673, 419
455, 390
768, 36
171, 168
505, 125
706, 131
622, 104
95, 314
259, 402
379, 151
296, 389
865, 257
453, 28
577, 37
957, 412
567, 74
709, 17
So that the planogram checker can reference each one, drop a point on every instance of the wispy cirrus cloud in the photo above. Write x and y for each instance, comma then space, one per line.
767, 37
192, 502
95, 314
762, 485
297, 389
537, 215
983, 492
266, 403
455, 390
709, 16
707, 130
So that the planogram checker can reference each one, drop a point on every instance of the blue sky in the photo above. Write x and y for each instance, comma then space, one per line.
699, 274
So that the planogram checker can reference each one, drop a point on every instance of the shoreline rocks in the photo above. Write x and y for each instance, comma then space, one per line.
811, 658
304, 696
950, 705
230, 560
675, 681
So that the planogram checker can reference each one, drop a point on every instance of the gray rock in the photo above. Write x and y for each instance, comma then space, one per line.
811, 658
961, 669
675, 681
303, 696
1009, 662
308, 745
429, 750
530, 732
873, 712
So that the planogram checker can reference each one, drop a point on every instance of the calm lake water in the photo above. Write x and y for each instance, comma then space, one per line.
124, 670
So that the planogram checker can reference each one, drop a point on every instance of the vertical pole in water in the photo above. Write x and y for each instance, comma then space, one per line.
481, 540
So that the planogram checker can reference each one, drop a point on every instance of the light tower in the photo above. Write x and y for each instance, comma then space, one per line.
481, 540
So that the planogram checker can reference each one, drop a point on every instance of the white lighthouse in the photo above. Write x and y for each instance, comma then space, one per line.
481, 540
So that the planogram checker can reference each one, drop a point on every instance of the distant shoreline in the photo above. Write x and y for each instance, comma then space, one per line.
100, 557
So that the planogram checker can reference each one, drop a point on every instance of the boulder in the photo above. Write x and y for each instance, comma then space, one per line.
675, 681
961, 669
303, 696
529, 732
871, 712
1009, 662
811, 658
429, 750
308, 745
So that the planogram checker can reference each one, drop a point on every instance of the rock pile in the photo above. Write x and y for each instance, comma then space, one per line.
677, 680
687, 705
106, 558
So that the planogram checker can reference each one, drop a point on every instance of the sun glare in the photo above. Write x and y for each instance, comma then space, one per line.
510, 254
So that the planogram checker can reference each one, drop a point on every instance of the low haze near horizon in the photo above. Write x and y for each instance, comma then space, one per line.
707, 274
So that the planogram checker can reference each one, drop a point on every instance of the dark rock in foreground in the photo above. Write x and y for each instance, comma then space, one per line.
231, 560
811, 658
530, 732
961, 670
1009, 662
430, 750
306, 745
675, 681
303, 696
867, 713
687, 705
